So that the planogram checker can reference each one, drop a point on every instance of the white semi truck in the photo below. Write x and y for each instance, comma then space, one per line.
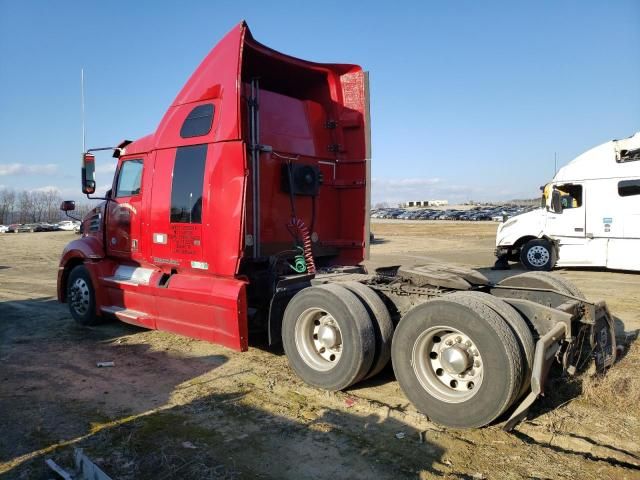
590, 214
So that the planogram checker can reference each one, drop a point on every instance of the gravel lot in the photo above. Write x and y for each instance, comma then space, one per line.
174, 407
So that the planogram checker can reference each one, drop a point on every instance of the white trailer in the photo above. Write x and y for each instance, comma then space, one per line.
590, 214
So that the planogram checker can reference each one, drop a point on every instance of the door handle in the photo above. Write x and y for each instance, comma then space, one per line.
578, 229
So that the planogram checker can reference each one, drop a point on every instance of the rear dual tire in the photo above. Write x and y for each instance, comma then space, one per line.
328, 337
380, 320
336, 335
545, 280
458, 361
516, 322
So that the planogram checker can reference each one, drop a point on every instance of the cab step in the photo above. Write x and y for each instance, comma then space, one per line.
125, 314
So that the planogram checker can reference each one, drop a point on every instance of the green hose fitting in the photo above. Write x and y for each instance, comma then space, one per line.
300, 264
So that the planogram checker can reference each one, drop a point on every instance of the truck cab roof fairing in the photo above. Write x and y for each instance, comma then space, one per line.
219, 76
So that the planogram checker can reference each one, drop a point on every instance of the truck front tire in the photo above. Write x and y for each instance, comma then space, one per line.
457, 361
538, 254
81, 297
328, 337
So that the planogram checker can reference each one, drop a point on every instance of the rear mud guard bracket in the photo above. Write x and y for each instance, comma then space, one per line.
546, 349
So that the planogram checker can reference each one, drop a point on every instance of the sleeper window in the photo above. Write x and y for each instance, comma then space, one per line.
627, 188
198, 122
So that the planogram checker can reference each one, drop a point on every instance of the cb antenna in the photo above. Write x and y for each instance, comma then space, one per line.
84, 132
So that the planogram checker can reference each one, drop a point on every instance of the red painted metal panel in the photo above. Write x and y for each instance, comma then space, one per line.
205, 307
223, 218
124, 215
217, 77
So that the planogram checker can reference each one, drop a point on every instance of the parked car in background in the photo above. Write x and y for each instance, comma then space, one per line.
4, 228
45, 227
22, 227
68, 225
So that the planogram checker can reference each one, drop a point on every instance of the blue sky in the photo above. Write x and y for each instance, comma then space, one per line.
470, 100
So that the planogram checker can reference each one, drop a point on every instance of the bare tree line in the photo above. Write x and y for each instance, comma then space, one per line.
24, 206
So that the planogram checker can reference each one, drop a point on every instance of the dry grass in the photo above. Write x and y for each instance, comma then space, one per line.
619, 388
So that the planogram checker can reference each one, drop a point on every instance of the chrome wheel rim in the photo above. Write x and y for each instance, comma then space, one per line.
318, 339
80, 296
448, 364
538, 256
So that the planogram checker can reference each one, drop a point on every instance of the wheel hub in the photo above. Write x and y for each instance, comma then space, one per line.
80, 296
328, 336
455, 360
318, 339
538, 256
448, 364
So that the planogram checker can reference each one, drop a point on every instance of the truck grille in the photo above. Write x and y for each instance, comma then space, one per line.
94, 223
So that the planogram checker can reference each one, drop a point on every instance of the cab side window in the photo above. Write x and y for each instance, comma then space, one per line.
570, 196
129, 178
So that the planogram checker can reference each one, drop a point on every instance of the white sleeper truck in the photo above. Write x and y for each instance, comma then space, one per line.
590, 215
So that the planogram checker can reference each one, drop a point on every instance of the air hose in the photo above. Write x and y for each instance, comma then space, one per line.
303, 232
299, 265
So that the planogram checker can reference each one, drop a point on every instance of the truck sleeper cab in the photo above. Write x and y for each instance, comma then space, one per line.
247, 209
590, 215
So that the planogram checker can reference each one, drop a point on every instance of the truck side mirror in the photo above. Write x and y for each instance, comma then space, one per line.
88, 173
556, 202
68, 205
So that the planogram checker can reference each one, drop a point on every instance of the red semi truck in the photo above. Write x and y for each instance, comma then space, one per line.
248, 208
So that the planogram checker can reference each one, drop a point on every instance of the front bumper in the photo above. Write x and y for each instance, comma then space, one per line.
503, 250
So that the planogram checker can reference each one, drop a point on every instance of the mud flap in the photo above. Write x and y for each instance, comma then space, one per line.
603, 339
603, 348
502, 263
545, 354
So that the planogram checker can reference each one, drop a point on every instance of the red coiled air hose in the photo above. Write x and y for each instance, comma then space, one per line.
303, 232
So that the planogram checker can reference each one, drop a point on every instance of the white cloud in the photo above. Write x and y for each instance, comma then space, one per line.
398, 190
107, 167
65, 192
71, 193
102, 189
47, 188
26, 169
406, 182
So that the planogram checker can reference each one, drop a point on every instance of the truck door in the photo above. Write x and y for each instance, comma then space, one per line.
176, 206
568, 224
123, 209
570, 221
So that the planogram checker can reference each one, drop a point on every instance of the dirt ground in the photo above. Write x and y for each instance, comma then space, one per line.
174, 407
